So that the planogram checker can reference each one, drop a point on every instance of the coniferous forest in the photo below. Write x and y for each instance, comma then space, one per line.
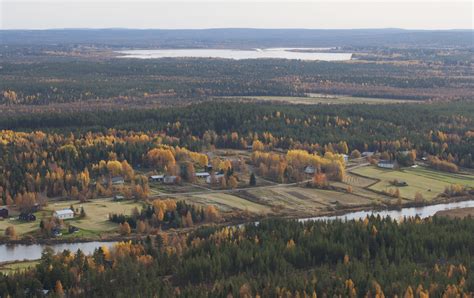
375, 257
197, 171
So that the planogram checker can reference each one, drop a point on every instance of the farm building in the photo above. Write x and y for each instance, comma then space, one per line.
217, 178
170, 179
386, 164
3, 212
310, 170
64, 214
202, 175
156, 178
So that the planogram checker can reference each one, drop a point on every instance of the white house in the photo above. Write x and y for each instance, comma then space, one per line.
156, 178
387, 164
64, 214
202, 175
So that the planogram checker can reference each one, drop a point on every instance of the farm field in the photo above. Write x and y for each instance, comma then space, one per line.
428, 182
21, 227
97, 212
95, 222
17, 266
229, 202
313, 99
284, 200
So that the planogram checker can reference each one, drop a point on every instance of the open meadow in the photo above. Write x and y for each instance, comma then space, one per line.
430, 183
95, 222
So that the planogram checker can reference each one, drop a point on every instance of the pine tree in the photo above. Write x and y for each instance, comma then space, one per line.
253, 180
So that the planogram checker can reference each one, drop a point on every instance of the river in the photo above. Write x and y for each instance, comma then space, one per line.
20, 252
422, 212
276, 53
9, 253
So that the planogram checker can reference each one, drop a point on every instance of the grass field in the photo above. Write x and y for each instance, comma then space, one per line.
309, 200
291, 200
229, 202
17, 266
457, 213
313, 99
97, 212
428, 182
95, 222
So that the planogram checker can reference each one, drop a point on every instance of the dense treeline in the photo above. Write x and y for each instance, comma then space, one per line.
375, 257
441, 129
48, 82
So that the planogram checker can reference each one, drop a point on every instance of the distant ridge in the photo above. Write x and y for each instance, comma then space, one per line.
240, 37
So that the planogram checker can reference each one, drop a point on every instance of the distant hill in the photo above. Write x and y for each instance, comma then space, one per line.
240, 38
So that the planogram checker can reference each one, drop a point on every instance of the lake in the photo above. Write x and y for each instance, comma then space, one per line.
270, 53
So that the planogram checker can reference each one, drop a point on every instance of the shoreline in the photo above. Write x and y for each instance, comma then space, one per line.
339, 212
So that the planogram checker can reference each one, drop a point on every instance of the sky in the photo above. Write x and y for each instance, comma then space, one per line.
196, 14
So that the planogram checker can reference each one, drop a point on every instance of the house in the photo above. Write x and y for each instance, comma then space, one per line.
249, 147
310, 170
367, 153
217, 178
3, 212
209, 167
117, 180
386, 164
64, 214
119, 198
170, 179
156, 178
27, 217
202, 175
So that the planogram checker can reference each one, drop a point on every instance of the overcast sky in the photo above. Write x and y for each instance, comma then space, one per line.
319, 14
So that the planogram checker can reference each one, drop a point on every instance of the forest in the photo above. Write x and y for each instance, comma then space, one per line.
374, 258
85, 130
65, 80
78, 145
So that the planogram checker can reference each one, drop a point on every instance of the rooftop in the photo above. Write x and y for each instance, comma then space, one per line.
64, 212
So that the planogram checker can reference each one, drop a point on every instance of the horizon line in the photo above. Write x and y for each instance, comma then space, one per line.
230, 28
